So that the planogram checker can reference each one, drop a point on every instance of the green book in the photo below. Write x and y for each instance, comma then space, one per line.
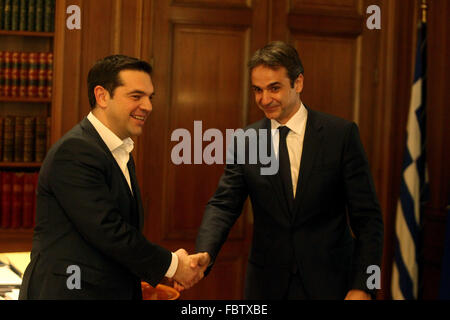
23, 15
49, 13
39, 15
7, 15
31, 15
2, 9
15, 15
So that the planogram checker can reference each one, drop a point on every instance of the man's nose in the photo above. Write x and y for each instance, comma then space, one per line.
266, 99
147, 105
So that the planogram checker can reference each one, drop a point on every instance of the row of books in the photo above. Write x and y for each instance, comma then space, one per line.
24, 139
18, 195
27, 15
26, 74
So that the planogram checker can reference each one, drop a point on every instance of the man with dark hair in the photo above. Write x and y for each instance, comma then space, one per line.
87, 242
305, 214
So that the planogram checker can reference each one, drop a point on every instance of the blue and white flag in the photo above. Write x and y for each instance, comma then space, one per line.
414, 184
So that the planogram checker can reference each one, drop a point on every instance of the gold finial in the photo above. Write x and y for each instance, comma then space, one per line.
424, 8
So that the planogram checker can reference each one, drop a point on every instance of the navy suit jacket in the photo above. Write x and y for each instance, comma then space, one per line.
335, 197
86, 216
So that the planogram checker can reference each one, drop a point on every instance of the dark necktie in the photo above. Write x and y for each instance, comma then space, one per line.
134, 211
285, 167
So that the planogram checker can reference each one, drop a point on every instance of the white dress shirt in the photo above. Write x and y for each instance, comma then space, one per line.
294, 141
120, 150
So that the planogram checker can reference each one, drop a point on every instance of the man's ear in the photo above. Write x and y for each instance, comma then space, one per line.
298, 84
101, 96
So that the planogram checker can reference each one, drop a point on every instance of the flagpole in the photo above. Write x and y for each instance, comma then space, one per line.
424, 7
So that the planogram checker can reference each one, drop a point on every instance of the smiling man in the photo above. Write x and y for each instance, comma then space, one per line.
87, 242
305, 214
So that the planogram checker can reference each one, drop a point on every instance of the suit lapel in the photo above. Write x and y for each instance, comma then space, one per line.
89, 129
275, 179
311, 144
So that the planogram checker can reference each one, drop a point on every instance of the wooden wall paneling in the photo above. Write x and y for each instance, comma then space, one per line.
200, 55
207, 86
66, 73
214, 3
396, 65
438, 154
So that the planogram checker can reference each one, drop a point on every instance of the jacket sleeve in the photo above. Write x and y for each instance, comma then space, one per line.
222, 210
364, 210
79, 182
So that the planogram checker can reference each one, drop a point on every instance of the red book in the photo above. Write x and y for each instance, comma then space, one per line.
49, 74
7, 63
6, 186
17, 200
15, 74
33, 74
42, 75
24, 69
36, 181
28, 200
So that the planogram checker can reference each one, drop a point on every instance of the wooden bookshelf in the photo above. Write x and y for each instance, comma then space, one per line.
20, 165
25, 99
16, 240
27, 33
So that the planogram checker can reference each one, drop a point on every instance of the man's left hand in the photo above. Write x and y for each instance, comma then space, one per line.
358, 295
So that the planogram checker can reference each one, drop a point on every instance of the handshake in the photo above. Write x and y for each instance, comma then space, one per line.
190, 269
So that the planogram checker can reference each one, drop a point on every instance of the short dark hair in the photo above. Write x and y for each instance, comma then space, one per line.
278, 54
105, 73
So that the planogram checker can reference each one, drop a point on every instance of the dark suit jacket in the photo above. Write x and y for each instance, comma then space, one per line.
314, 239
87, 216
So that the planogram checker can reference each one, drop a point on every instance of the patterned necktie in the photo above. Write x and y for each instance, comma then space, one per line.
285, 167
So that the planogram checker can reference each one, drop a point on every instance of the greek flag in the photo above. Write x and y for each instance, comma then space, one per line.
407, 240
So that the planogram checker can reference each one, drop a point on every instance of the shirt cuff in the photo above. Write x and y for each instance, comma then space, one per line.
173, 266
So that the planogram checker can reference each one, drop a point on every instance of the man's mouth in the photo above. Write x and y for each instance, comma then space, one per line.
140, 118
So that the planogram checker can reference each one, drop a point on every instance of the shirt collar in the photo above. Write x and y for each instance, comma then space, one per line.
111, 140
295, 123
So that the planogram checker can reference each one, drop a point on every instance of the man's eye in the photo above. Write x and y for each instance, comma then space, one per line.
275, 89
257, 90
136, 97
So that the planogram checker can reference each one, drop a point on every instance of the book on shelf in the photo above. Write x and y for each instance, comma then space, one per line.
29, 192
49, 83
42, 75
39, 26
6, 191
14, 15
23, 19
24, 66
32, 74
18, 139
15, 74
6, 74
17, 200
24, 139
41, 138
8, 139
28, 141
27, 15
7, 15
31, 15
2, 9
26, 74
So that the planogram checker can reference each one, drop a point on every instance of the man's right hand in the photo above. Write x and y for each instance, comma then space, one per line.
190, 268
